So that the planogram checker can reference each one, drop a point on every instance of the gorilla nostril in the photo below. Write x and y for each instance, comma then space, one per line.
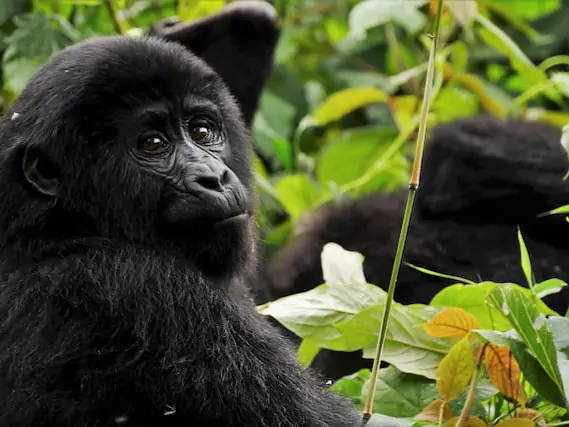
211, 182
224, 180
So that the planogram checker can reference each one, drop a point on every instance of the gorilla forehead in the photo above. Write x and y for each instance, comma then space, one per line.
109, 71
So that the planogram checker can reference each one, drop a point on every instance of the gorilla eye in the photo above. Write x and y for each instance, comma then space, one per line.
201, 131
152, 144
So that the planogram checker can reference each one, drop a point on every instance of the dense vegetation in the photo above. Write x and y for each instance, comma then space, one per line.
339, 120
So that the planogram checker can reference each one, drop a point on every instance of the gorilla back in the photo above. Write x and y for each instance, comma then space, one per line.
125, 231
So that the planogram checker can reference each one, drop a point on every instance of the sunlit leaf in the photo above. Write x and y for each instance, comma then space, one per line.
189, 10
297, 193
344, 102
451, 322
456, 369
549, 287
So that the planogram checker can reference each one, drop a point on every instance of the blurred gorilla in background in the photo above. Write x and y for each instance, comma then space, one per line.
481, 179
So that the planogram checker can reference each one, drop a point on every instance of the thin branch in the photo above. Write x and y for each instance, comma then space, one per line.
112, 14
413, 186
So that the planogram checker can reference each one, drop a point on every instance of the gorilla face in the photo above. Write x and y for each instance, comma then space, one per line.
169, 138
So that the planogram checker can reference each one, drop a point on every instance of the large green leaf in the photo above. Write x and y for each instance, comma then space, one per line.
315, 314
349, 157
344, 102
297, 193
407, 347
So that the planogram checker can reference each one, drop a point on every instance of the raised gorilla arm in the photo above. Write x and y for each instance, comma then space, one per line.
125, 233
238, 43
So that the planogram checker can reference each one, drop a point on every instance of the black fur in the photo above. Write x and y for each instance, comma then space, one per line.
106, 316
481, 179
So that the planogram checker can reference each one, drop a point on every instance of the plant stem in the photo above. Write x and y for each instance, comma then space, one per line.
413, 186
112, 14
472, 390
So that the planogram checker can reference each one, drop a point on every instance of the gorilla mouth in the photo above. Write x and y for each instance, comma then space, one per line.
232, 220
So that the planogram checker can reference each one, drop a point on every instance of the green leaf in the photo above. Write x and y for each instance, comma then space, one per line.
297, 193
36, 35
401, 395
531, 9
314, 314
548, 287
444, 276
525, 259
472, 298
352, 385
522, 314
498, 39
353, 154
189, 10
307, 351
562, 209
344, 102
407, 347
453, 102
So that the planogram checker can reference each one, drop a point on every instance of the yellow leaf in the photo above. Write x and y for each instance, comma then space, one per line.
432, 412
455, 370
345, 101
469, 422
451, 322
516, 422
504, 372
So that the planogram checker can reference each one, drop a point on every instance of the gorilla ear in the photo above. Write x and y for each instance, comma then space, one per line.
40, 172
238, 43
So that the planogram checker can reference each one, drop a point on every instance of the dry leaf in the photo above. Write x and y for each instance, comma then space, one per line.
451, 322
531, 414
455, 370
432, 412
504, 372
469, 422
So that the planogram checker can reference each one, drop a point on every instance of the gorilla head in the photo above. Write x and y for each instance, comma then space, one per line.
150, 120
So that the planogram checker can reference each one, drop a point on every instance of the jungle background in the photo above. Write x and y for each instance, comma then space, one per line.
338, 120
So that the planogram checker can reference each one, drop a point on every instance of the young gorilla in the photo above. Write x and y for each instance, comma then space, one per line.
125, 232
481, 179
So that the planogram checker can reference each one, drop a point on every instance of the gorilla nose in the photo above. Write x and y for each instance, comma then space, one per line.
214, 181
